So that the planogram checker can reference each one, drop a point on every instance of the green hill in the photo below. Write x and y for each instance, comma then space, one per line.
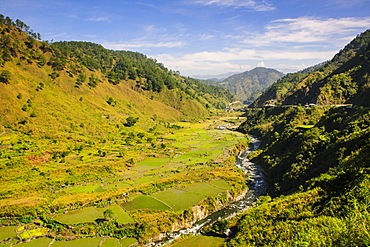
61, 83
316, 158
342, 80
247, 86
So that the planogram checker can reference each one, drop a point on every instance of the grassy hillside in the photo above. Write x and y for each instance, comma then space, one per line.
81, 80
342, 80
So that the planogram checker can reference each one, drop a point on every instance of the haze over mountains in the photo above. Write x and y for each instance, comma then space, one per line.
247, 86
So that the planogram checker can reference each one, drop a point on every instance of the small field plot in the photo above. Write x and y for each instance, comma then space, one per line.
34, 233
110, 242
200, 241
142, 180
126, 242
122, 216
144, 202
117, 185
90, 187
83, 242
204, 189
7, 232
38, 242
221, 183
151, 163
89, 214
178, 199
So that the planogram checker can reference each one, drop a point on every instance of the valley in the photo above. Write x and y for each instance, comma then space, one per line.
159, 192
104, 148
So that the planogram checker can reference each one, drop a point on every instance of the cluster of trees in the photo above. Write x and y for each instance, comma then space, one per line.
20, 24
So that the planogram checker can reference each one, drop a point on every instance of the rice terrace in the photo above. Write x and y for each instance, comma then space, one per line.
197, 168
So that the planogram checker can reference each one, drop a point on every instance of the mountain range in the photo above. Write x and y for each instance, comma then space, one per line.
247, 86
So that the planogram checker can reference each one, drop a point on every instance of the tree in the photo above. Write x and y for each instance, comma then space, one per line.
111, 101
108, 214
220, 226
5, 77
131, 121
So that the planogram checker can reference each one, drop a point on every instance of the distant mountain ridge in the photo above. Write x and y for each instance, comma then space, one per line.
219, 77
248, 85
342, 80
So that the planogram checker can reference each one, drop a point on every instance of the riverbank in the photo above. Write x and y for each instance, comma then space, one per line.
256, 187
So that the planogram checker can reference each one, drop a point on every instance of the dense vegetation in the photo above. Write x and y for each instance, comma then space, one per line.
342, 80
319, 158
247, 86
316, 158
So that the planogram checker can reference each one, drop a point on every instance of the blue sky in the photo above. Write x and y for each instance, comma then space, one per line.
203, 37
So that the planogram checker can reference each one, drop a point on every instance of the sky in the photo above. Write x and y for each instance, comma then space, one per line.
203, 37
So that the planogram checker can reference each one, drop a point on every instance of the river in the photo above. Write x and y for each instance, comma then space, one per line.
256, 187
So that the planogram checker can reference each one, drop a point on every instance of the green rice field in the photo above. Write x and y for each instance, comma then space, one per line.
38, 242
145, 202
78, 242
200, 241
89, 214
178, 199
187, 171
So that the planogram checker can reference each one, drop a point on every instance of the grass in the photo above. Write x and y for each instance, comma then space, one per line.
38, 242
34, 233
203, 189
305, 126
122, 216
144, 202
110, 242
200, 241
151, 163
83, 242
126, 242
89, 214
221, 183
7, 232
178, 199
91, 187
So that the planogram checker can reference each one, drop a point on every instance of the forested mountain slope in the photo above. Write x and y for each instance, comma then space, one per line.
83, 80
316, 158
317, 164
342, 80
247, 86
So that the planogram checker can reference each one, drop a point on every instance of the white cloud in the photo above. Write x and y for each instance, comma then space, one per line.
253, 54
101, 18
119, 46
249, 4
308, 30
261, 64
229, 60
